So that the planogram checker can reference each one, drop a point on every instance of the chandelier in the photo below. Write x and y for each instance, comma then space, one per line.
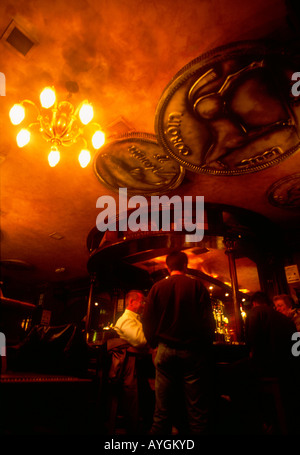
60, 124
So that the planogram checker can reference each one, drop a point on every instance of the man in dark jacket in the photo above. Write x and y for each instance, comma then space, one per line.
178, 318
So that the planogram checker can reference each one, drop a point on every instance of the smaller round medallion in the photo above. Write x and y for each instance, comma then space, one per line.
286, 192
135, 161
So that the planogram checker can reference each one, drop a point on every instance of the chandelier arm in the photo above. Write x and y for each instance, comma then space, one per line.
96, 124
31, 104
33, 124
84, 141
45, 128
49, 137
67, 143
53, 120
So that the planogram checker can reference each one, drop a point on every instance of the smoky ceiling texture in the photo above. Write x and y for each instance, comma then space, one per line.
120, 55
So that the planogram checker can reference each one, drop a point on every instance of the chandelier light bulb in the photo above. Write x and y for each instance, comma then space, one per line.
84, 158
23, 138
17, 114
47, 97
98, 139
53, 157
59, 124
86, 113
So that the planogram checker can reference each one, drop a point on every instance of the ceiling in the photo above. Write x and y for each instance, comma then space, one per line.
121, 54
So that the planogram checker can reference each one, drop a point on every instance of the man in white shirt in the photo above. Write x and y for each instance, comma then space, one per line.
132, 375
129, 326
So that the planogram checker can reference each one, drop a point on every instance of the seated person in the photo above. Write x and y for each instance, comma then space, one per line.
285, 304
129, 326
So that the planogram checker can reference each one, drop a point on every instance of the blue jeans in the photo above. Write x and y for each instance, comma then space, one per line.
182, 379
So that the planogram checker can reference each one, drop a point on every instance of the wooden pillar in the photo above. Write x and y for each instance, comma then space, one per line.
230, 244
88, 314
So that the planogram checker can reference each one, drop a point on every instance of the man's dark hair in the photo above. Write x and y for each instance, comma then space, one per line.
261, 298
177, 260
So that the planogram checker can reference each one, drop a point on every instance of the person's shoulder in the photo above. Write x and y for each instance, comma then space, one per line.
171, 279
185, 277
128, 314
161, 284
196, 281
124, 316
259, 310
280, 322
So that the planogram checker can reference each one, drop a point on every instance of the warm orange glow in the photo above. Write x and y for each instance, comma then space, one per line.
59, 124
84, 158
23, 138
86, 113
17, 114
98, 139
47, 97
53, 157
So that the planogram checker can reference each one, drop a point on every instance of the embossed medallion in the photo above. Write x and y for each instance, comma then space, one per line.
135, 161
231, 111
286, 192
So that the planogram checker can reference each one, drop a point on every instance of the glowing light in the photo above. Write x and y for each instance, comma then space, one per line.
86, 113
17, 114
47, 97
53, 157
211, 288
98, 139
225, 319
84, 158
226, 295
23, 138
59, 125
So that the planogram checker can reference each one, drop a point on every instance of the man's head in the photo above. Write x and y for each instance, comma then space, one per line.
134, 301
283, 303
260, 298
177, 261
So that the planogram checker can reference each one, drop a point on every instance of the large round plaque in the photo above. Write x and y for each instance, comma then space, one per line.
135, 161
231, 111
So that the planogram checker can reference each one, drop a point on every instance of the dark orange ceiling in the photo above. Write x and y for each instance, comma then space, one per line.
120, 54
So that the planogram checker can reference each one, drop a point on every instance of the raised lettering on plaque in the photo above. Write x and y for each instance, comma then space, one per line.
135, 161
231, 111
